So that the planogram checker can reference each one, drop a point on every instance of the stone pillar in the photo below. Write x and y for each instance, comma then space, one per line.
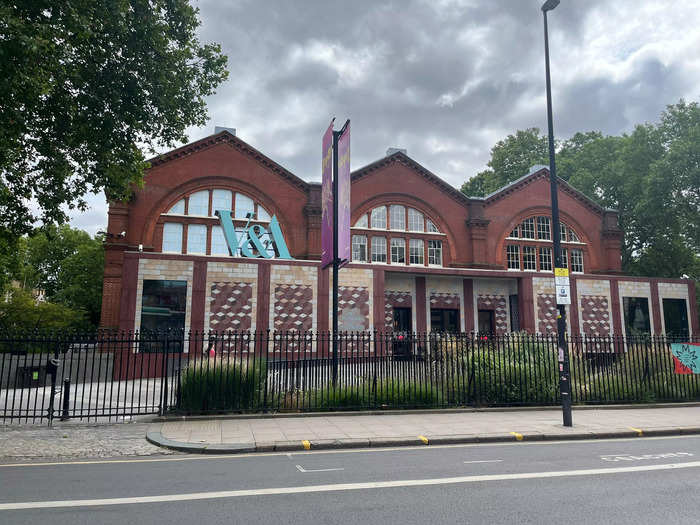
421, 322
468, 292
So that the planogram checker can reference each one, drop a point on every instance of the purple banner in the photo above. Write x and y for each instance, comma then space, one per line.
344, 197
327, 197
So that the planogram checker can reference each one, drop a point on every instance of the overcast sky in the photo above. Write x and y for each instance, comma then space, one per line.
445, 79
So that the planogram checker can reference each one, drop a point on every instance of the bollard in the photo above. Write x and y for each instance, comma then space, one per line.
66, 399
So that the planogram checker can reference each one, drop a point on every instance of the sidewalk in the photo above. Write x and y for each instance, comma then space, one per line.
300, 432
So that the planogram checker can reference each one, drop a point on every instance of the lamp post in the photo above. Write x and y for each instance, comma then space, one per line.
559, 272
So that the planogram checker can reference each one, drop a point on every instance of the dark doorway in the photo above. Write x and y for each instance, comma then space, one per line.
402, 319
444, 320
676, 319
636, 315
514, 313
486, 321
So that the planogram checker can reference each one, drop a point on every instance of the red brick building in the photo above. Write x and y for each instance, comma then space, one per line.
425, 256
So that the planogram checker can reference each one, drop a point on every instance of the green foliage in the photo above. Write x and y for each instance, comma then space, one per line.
21, 312
389, 393
86, 83
212, 385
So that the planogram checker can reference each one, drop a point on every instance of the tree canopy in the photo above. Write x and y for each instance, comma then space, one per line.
88, 84
651, 176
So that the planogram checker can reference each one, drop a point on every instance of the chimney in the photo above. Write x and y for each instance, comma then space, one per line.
219, 129
391, 151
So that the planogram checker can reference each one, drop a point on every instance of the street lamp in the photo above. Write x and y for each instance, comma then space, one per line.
560, 274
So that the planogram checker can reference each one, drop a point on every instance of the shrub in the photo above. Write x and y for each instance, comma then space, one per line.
211, 385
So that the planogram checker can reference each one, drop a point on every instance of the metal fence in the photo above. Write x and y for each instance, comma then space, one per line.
123, 374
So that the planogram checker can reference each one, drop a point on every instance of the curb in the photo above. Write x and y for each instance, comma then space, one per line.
156, 438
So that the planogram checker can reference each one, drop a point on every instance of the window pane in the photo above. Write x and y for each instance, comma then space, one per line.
378, 219
196, 238
430, 226
398, 251
199, 203
543, 230
378, 249
244, 206
675, 319
636, 315
163, 306
359, 248
362, 221
172, 237
515, 233
263, 215
178, 207
527, 228
529, 258
218, 241
577, 261
513, 256
397, 219
545, 259
435, 252
564, 258
416, 221
562, 229
415, 251
221, 200
572, 235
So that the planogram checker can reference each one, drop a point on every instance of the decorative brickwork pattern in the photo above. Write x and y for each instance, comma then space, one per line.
444, 300
231, 306
497, 303
353, 304
394, 299
546, 313
293, 307
595, 315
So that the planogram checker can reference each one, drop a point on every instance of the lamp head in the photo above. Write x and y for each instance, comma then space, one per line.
549, 5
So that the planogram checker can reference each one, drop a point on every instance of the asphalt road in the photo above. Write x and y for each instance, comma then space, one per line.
645, 480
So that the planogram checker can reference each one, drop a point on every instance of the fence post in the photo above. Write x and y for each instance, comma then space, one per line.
52, 368
164, 376
66, 399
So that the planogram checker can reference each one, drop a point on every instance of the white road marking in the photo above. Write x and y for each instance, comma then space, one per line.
484, 461
302, 469
336, 487
631, 457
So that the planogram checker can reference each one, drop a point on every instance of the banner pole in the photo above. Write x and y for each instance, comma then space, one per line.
336, 135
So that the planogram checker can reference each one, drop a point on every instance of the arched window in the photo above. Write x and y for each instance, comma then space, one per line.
529, 246
409, 238
206, 236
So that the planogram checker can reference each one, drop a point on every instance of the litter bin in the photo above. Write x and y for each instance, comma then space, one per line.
30, 376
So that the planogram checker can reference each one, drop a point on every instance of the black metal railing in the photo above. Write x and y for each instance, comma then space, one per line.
124, 374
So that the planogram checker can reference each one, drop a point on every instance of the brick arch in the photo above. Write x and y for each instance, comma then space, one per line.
208, 183
590, 252
387, 199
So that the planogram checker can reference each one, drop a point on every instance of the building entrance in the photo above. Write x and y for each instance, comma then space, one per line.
486, 322
444, 320
402, 319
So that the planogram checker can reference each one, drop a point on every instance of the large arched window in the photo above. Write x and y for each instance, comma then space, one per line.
190, 225
529, 246
397, 234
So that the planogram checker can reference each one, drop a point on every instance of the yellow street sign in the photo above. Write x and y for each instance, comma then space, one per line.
561, 272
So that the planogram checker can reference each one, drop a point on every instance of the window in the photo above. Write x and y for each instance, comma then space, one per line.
199, 203
562, 229
262, 214
515, 233
378, 219
430, 226
163, 307
529, 258
545, 259
675, 319
636, 315
415, 251
172, 237
398, 251
397, 218
359, 247
577, 261
197, 238
435, 252
527, 228
218, 241
178, 208
564, 258
221, 200
362, 221
244, 206
572, 235
543, 230
416, 221
378, 249
513, 256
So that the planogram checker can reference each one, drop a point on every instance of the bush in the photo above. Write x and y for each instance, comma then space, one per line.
211, 385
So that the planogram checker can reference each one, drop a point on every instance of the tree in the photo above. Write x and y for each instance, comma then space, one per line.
511, 158
86, 85
20, 311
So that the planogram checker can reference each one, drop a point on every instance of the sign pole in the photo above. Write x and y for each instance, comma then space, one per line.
336, 261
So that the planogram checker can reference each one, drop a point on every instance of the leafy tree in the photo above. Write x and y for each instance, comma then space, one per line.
22, 312
85, 85
511, 158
